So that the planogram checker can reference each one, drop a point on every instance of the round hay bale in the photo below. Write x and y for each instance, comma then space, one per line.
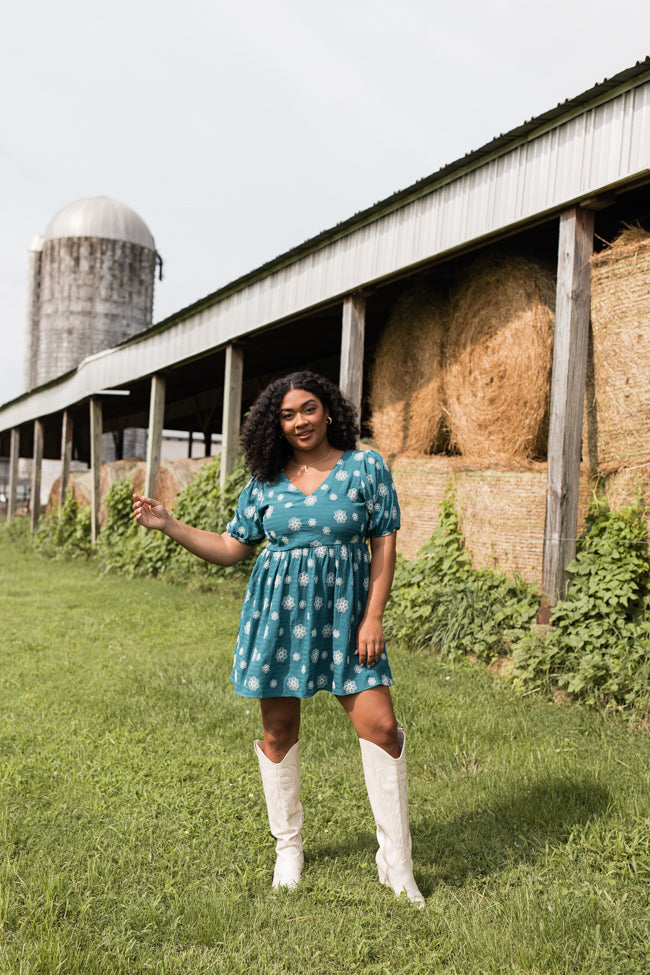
175, 475
79, 486
406, 402
498, 357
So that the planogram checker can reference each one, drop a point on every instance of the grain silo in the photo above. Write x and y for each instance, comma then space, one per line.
91, 283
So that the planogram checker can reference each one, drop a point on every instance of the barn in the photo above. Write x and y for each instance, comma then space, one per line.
491, 322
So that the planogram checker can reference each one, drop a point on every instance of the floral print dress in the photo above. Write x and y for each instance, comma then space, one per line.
308, 589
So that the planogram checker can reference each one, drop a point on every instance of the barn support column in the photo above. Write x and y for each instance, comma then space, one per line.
352, 341
37, 466
96, 430
14, 453
66, 456
232, 395
154, 437
567, 398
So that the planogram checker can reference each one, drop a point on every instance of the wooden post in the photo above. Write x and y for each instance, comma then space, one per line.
352, 341
14, 454
154, 437
96, 430
567, 398
66, 456
36, 476
232, 394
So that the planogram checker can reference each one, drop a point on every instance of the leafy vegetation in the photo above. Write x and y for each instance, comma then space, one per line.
65, 535
123, 547
598, 646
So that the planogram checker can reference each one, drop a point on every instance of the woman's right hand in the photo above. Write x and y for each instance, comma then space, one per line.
150, 513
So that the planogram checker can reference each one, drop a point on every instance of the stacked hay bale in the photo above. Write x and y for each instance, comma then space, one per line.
617, 420
471, 376
616, 433
406, 399
497, 359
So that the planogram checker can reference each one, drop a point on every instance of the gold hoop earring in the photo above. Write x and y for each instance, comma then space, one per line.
329, 421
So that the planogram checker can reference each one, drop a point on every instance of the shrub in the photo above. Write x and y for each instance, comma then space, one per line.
598, 646
123, 546
66, 532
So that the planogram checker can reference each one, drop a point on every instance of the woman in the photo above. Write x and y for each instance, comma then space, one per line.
312, 615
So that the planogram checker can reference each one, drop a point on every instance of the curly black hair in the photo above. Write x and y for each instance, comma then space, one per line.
265, 448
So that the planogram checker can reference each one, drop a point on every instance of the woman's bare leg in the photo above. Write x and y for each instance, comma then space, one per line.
281, 722
372, 716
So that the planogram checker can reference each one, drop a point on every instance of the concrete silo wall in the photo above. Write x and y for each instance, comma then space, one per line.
94, 293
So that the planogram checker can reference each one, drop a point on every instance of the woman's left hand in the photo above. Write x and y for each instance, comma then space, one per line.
370, 641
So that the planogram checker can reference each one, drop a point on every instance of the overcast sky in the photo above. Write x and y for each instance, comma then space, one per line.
238, 130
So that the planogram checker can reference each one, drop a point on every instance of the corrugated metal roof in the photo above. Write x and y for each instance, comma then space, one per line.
604, 90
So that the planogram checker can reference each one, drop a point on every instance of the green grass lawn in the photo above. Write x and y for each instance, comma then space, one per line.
133, 832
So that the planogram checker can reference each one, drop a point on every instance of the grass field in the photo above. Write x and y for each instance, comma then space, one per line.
133, 834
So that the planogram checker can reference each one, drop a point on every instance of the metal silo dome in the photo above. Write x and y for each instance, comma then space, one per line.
100, 217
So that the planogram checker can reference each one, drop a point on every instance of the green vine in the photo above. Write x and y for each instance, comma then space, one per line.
122, 546
597, 648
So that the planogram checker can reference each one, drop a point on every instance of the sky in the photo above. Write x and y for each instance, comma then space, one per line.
239, 130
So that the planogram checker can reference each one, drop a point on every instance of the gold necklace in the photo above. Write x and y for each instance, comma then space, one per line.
305, 467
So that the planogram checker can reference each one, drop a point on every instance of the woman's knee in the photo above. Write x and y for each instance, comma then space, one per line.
281, 725
385, 729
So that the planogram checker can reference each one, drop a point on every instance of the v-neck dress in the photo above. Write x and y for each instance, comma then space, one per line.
308, 589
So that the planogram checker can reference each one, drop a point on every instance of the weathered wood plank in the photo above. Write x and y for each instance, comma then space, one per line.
232, 397
37, 466
352, 348
567, 397
14, 455
96, 430
154, 436
67, 427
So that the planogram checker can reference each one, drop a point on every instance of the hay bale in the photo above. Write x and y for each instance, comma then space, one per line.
498, 357
618, 392
172, 477
79, 486
406, 403
502, 512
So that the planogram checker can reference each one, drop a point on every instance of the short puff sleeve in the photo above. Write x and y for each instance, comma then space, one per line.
246, 525
382, 505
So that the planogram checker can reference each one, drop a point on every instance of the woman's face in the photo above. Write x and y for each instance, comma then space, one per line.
303, 420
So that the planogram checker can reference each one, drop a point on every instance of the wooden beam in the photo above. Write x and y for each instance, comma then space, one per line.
66, 456
37, 466
567, 398
96, 430
154, 437
232, 396
14, 454
352, 346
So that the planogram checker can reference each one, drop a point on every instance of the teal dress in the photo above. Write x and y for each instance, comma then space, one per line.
308, 589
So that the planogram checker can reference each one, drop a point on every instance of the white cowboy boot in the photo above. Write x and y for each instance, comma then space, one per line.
281, 783
388, 793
